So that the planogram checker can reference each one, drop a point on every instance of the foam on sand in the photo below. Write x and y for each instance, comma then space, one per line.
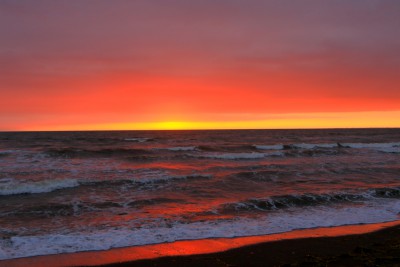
279, 222
189, 247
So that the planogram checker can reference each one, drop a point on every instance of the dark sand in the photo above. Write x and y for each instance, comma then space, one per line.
354, 245
381, 248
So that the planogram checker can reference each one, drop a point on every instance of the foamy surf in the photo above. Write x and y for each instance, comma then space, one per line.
14, 187
25, 246
10, 186
311, 199
236, 156
384, 147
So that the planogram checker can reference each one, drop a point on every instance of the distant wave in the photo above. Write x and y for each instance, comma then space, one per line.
147, 180
138, 139
77, 207
227, 148
236, 156
4, 154
261, 175
182, 148
214, 148
287, 201
383, 147
9, 186
107, 152
269, 147
14, 187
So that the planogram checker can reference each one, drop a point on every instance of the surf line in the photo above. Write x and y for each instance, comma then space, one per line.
187, 247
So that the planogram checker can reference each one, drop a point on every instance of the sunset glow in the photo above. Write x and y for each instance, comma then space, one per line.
147, 132
284, 121
71, 65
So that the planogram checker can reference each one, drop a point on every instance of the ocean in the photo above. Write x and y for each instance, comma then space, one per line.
63, 192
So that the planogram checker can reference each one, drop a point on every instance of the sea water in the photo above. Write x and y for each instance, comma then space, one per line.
78, 191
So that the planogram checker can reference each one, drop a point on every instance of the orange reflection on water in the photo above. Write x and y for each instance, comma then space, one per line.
188, 247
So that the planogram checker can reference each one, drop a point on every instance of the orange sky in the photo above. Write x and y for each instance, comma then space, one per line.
70, 65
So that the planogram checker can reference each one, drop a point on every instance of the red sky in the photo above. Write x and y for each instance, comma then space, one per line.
199, 64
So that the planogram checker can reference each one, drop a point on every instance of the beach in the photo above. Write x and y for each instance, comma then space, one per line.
381, 248
353, 245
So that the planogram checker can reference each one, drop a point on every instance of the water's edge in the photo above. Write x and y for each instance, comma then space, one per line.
188, 247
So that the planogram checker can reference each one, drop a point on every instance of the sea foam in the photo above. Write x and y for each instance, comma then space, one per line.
236, 156
25, 246
12, 187
393, 147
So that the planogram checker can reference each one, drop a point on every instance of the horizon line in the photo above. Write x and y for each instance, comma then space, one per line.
177, 130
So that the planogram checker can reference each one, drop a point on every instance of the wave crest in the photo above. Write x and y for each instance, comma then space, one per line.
287, 201
393, 147
13, 187
83, 153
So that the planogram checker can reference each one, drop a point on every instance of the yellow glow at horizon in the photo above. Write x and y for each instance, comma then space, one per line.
275, 121
173, 125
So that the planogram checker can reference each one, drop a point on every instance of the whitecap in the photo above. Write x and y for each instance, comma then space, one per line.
13, 187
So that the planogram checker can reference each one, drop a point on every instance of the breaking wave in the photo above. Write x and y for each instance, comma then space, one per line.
9, 186
161, 231
138, 139
236, 156
78, 207
287, 201
13, 187
82, 153
383, 147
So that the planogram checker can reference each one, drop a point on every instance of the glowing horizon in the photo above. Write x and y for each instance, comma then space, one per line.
138, 65
288, 121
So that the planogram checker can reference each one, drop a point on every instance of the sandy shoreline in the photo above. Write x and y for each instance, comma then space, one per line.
148, 254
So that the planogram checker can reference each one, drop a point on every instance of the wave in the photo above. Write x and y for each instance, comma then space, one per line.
393, 147
261, 175
227, 148
78, 207
225, 152
236, 156
147, 180
108, 152
214, 148
161, 231
182, 148
287, 201
4, 153
13, 187
297, 146
9, 186
269, 147
138, 139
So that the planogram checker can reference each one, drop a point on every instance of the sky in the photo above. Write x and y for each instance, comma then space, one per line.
199, 64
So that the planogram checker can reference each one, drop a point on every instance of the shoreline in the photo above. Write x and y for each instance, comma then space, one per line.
272, 249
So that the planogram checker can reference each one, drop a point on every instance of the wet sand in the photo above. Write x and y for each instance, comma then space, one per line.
356, 245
